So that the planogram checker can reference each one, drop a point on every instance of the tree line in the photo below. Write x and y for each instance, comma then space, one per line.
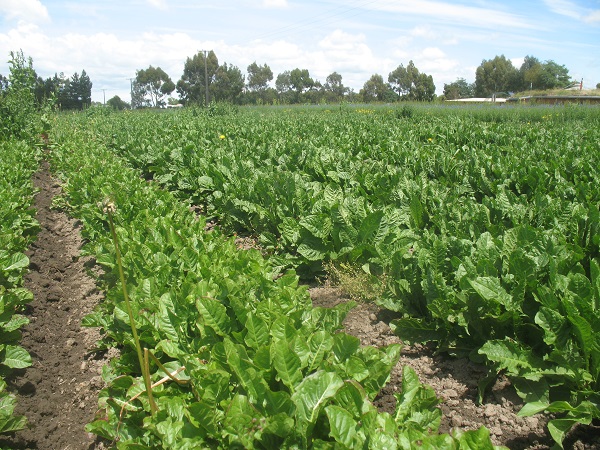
73, 92
205, 80
498, 76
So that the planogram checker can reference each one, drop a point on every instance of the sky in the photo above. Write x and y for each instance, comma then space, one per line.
112, 39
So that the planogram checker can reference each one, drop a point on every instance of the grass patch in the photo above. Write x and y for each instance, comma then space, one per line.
357, 284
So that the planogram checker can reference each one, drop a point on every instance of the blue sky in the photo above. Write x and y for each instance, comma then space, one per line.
112, 39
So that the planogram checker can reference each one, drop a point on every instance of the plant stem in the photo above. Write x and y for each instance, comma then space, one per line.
143, 366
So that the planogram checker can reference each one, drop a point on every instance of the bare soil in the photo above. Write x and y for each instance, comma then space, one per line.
455, 382
59, 393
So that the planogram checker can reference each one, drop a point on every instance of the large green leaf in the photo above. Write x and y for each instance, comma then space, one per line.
318, 225
370, 226
320, 344
16, 357
287, 364
214, 315
343, 427
16, 261
257, 331
490, 289
311, 395
240, 364
511, 356
416, 330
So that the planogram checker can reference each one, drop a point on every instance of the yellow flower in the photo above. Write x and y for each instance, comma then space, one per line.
222, 136
429, 139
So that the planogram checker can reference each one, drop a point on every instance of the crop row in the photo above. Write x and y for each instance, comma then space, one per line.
482, 227
18, 227
252, 363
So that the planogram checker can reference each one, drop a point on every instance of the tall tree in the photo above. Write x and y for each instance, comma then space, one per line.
228, 84
18, 107
410, 84
334, 88
138, 96
376, 90
116, 103
259, 77
555, 75
75, 92
155, 85
198, 73
283, 84
543, 75
459, 89
496, 76
300, 82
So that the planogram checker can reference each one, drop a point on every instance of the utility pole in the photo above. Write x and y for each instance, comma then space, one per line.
205, 74
104, 94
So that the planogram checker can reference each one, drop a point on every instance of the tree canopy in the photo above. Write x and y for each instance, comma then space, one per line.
228, 84
205, 80
153, 85
496, 76
17, 100
376, 90
198, 74
116, 103
459, 89
410, 84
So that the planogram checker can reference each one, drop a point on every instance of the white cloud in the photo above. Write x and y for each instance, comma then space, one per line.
592, 17
564, 8
30, 10
432, 53
424, 31
471, 16
571, 9
517, 62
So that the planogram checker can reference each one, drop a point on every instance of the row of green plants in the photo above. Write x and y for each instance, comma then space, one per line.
18, 227
480, 224
218, 348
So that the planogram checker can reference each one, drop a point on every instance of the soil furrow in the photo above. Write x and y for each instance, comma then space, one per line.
58, 393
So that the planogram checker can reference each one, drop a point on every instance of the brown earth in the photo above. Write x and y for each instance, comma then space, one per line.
59, 393
455, 382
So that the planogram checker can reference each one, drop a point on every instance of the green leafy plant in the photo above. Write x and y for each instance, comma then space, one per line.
263, 368
18, 228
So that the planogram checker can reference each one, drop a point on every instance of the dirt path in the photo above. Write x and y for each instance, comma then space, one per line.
455, 382
59, 392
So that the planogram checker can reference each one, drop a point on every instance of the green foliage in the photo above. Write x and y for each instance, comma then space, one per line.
410, 84
264, 368
376, 90
151, 86
118, 104
18, 227
198, 74
481, 223
497, 75
459, 89
17, 102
